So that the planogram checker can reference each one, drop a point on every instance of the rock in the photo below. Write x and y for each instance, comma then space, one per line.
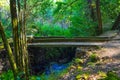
72, 67
80, 53
1, 67
65, 77
62, 61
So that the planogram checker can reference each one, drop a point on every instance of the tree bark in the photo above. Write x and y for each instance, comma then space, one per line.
99, 16
20, 29
9, 52
14, 20
116, 23
25, 44
92, 12
20, 43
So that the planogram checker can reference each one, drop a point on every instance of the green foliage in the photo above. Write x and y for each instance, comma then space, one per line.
102, 74
111, 76
93, 58
8, 33
82, 30
35, 78
0, 39
52, 31
55, 30
52, 76
80, 77
7, 75
52, 53
78, 61
110, 8
75, 13
48, 30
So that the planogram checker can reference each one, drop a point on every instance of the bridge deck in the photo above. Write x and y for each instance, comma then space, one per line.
64, 44
68, 44
76, 41
62, 41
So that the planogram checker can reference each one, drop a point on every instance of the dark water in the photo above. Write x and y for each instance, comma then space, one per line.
43, 62
48, 68
55, 68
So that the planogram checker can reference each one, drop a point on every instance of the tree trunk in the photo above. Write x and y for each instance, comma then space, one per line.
20, 43
23, 41
25, 52
92, 12
9, 52
99, 16
14, 20
116, 23
20, 29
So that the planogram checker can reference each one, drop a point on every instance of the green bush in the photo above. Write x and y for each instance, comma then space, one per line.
93, 58
55, 30
47, 30
7, 75
111, 76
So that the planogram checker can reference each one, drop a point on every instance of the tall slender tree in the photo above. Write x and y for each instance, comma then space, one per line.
99, 16
14, 20
92, 8
9, 52
116, 23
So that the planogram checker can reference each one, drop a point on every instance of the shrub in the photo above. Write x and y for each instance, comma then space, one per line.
111, 76
93, 58
7, 75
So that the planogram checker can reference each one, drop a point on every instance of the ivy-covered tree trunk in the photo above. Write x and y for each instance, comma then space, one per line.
25, 52
19, 37
20, 33
99, 16
9, 52
14, 20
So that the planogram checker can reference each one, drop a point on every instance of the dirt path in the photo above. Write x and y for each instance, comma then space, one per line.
110, 57
110, 60
112, 51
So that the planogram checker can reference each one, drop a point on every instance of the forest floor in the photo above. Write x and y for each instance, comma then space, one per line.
108, 60
110, 54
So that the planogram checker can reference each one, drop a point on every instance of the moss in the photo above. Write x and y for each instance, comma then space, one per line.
82, 77
102, 74
111, 76
1, 47
79, 68
78, 61
91, 64
94, 57
78, 76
